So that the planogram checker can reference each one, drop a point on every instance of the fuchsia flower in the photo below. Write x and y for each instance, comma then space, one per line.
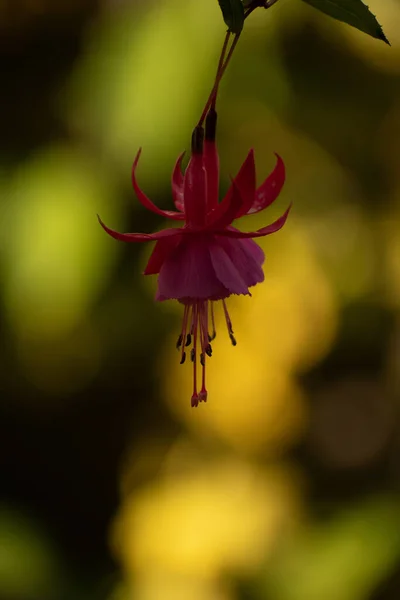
207, 259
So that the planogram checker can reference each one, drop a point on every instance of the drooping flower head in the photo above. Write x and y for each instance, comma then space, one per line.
207, 260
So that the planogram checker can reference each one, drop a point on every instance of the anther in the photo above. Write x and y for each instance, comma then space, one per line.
194, 401
202, 359
183, 358
192, 354
179, 341
188, 339
208, 350
233, 340
212, 336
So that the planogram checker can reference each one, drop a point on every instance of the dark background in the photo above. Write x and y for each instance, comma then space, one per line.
285, 485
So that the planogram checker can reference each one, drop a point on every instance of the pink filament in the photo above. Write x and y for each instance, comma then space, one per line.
196, 322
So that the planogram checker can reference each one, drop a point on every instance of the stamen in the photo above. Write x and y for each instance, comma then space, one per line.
227, 318
196, 317
179, 341
229, 324
186, 313
213, 333
203, 321
192, 324
205, 348
195, 397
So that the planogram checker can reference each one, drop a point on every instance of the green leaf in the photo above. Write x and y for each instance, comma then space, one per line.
233, 13
352, 12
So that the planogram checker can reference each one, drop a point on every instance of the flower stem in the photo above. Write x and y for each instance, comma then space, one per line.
223, 62
220, 63
213, 94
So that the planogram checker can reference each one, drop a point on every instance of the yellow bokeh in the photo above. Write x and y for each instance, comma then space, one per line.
218, 516
285, 327
159, 583
212, 499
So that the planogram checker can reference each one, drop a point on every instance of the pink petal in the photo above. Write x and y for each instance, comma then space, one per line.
268, 192
211, 165
226, 271
146, 202
245, 180
188, 272
247, 256
228, 210
140, 237
251, 248
177, 184
275, 226
160, 252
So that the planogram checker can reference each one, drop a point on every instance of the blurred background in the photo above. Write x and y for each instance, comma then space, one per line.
286, 485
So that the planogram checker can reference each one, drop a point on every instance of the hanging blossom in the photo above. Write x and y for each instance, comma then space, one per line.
207, 260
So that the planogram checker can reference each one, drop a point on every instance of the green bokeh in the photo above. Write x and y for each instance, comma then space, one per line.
84, 383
